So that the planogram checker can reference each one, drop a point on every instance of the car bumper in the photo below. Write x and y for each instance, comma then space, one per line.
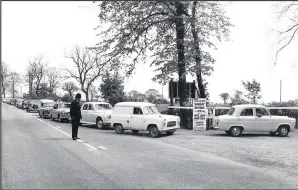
170, 128
66, 117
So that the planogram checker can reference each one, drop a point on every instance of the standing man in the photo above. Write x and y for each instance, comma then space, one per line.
75, 114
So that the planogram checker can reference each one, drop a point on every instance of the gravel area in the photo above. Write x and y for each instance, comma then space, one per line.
258, 149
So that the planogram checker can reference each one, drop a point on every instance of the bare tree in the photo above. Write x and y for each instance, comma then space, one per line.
4, 77
89, 67
70, 87
287, 10
15, 79
53, 79
35, 73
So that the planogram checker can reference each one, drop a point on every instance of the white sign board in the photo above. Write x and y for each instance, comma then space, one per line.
199, 114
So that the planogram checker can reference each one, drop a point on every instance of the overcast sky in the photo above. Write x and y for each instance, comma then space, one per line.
47, 28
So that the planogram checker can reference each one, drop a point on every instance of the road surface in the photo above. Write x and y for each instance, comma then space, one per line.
39, 153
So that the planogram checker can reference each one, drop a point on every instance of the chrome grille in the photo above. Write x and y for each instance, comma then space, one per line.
171, 124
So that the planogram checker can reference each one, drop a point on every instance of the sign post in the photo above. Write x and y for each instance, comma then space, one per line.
199, 114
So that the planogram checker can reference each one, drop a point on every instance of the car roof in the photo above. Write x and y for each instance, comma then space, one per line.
96, 103
132, 104
46, 101
249, 106
62, 102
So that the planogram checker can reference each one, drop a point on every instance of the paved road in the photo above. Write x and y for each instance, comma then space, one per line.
39, 153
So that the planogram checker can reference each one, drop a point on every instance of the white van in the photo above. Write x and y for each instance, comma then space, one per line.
141, 116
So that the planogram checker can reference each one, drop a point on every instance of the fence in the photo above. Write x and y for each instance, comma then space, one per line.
216, 111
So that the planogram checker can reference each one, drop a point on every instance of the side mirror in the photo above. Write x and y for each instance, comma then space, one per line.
259, 115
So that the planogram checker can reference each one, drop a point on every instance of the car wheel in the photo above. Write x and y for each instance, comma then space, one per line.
52, 118
43, 116
236, 131
27, 110
154, 132
134, 131
170, 132
40, 115
283, 131
99, 123
119, 129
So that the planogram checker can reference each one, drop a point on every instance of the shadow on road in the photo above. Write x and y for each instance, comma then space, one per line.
140, 134
243, 135
66, 138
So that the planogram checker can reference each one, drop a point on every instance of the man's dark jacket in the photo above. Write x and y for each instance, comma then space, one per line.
75, 110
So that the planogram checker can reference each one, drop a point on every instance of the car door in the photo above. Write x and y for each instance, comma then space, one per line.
247, 119
84, 112
264, 122
90, 115
137, 119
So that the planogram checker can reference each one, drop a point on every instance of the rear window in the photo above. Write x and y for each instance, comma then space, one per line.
231, 111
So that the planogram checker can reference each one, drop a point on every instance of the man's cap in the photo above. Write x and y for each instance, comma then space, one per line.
78, 95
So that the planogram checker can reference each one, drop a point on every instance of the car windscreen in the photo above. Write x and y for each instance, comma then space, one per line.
48, 104
66, 106
231, 111
102, 106
150, 110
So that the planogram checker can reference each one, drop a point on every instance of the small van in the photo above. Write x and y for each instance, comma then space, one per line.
141, 116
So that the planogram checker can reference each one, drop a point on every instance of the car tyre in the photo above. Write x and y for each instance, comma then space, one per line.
99, 123
44, 116
154, 132
119, 129
134, 131
283, 131
40, 115
236, 131
52, 118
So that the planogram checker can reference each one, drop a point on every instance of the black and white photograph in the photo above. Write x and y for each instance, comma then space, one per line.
154, 94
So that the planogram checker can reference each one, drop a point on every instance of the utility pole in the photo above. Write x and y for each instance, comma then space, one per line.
280, 85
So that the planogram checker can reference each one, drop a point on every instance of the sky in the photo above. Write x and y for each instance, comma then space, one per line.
30, 29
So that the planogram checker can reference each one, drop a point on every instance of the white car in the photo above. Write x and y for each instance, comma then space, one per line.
141, 116
96, 113
253, 118
61, 111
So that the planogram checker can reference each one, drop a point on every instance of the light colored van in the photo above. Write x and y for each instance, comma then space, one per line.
141, 116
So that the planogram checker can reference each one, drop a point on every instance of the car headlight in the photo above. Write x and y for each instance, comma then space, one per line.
164, 122
63, 112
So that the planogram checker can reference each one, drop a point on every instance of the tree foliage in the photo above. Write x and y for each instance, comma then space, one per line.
253, 89
112, 88
88, 66
151, 95
224, 96
238, 98
67, 98
287, 13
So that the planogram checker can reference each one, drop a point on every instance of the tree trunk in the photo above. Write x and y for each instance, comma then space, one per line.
198, 57
180, 33
13, 89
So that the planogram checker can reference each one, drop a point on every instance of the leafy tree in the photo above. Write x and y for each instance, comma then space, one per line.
253, 89
67, 98
112, 88
224, 96
89, 68
238, 98
201, 31
4, 78
287, 13
151, 95
70, 87
138, 26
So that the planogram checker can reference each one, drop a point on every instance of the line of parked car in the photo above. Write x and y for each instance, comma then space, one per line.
134, 116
